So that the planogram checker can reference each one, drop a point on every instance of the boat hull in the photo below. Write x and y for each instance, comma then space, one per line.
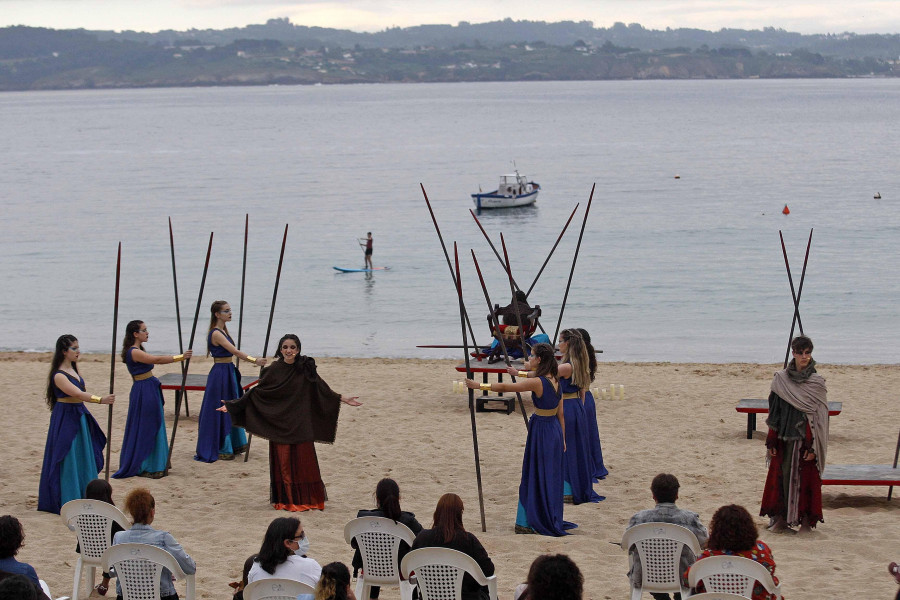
495, 200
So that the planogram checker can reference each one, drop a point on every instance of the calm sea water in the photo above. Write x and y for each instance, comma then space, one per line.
670, 269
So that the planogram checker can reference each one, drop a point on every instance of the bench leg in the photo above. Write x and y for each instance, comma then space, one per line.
751, 425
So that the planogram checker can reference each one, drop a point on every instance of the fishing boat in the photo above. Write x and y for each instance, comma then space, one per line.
514, 190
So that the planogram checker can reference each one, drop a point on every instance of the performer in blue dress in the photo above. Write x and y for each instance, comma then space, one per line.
541, 489
73, 455
590, 411
145, 447
574, 380
216, 438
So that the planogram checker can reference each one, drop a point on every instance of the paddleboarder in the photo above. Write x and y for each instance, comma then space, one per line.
368, 249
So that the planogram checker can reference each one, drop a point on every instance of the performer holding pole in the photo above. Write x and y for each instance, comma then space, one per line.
73, 454
144, 444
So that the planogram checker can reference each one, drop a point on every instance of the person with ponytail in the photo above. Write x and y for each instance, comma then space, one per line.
73, 454
387, 497
540, 507
216, 438
590, 412
334, 584
145, 447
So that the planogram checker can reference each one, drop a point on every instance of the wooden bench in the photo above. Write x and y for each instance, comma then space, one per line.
755, 406
861, 475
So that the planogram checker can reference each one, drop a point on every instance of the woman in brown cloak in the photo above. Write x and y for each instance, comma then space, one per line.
292, 407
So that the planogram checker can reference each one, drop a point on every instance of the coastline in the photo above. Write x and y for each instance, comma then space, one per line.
675, 417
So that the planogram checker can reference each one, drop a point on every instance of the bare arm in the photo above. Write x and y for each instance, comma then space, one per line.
219, 339
70, 389
140, 356
522, 385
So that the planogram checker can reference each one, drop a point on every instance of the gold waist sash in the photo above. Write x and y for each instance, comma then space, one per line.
143, 376
570, 395
70, 400
546, 412
224, 359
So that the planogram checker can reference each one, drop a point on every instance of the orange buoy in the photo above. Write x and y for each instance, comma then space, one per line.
785, 210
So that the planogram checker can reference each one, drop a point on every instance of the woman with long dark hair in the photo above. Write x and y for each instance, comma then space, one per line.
334, 584
447, 531
292, 407
216, 437
387, 498
590, 411
541, 489
99, 489
283, 554
73, 454
145, 447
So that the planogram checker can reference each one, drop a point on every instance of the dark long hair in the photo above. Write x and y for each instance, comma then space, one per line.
592, 355
333, 582
63, 343
287, 336
732, 528
99, 489
273, 552
132, 328
387, 495
547, 358
448, 516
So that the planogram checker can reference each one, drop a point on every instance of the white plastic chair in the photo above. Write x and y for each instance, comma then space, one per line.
439, 573
92, 521
733, 574
276, 589
718, 596
379, 540
659, 547
139, 568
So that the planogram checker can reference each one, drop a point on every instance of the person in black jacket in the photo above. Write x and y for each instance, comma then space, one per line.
387, 497
448, 532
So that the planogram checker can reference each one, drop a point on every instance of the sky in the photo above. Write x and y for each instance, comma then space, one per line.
804, 16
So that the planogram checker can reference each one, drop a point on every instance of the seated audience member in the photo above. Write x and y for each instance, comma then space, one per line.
99, 489
139, 503
283, 554
334, 584
664, 489
19, 587
552, 577
447, 531
12, 537
894, 569
240, 585
733, 532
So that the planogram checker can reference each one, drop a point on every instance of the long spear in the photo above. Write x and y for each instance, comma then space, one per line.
496, 325
796, 297
243, 279
462, 323
112, 358
187, 411
447, 256
552, 250
187, 362
562, 309
271, 314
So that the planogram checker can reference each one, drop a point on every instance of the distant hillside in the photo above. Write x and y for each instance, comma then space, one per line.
282, 53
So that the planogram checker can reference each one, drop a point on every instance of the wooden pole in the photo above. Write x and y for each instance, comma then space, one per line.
271, 315
447, 256
795, 320
187, 362
462, 323
562, 309
187, 411
243, 279
112, 358
496, 325
552, 250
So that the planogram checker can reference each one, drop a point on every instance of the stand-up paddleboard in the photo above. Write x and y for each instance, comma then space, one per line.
343, 270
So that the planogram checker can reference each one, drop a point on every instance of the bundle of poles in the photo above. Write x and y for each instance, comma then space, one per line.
465, 323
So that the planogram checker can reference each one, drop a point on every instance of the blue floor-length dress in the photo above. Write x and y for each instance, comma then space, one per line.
144, 445
593, 433
73, 455
541, 489
578, 466
215, 436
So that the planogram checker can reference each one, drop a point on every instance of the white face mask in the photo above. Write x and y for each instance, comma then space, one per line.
302, 546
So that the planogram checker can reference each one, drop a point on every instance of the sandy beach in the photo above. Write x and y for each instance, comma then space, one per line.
676, 418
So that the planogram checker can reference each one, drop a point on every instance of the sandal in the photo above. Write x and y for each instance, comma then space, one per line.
102, 589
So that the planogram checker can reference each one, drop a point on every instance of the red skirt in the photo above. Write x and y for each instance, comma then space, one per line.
296, 482
774, 502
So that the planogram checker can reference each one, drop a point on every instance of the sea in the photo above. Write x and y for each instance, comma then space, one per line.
680, 258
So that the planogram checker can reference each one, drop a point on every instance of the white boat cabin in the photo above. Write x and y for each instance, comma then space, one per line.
514, 185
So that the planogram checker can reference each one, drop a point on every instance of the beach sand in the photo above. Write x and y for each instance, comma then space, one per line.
676, 418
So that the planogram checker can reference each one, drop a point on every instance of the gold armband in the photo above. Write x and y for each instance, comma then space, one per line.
178, 358
485, 387
523, 374
96, 399
250, 359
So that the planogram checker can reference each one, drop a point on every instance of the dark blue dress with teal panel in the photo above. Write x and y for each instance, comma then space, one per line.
541, 489
144, 445
216, 438
578, 468
593, 432
73, 455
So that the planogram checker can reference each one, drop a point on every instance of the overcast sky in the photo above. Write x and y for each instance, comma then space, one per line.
805, 16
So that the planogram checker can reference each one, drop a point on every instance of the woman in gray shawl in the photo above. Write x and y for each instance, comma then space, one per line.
797, 441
